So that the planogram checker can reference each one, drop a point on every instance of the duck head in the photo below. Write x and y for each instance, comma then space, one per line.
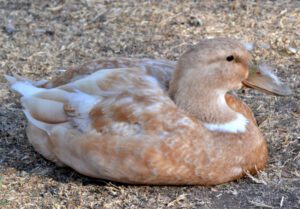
206, 72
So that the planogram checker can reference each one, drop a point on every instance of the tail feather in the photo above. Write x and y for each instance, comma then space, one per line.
43, 126
16, 78
11, 80
25, 88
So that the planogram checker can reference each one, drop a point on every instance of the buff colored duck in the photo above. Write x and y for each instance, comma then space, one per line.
151, 122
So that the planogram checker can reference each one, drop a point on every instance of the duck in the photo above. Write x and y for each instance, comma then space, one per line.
152, 122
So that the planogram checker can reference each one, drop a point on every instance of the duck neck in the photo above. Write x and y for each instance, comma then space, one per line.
210, 107
204, 98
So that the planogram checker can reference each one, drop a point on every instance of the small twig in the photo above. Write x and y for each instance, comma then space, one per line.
260, 204
281, 201
165, 21
178, 199
99, 16
58, 7
256, 180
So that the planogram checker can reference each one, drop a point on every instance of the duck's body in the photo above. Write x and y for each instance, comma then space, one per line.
122, 125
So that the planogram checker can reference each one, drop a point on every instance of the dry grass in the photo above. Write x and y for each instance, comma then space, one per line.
39, 38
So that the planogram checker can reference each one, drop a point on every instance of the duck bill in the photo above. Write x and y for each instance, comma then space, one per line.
263, 79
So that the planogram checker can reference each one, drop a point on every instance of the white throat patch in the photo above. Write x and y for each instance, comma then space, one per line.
237, 125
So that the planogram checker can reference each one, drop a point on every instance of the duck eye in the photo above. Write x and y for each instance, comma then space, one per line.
230, 58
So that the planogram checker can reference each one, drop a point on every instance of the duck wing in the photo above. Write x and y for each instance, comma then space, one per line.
113, 124
160, 69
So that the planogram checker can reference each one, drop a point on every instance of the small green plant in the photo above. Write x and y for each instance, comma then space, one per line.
3, 202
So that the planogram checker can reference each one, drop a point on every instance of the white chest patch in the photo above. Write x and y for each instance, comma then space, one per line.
237, 125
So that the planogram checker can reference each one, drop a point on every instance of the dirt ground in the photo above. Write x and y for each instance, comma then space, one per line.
39, 38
